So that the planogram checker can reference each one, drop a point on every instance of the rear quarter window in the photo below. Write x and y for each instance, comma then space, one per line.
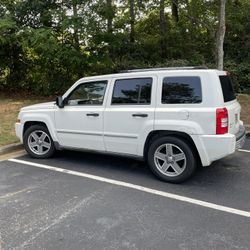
181, 89
227, 88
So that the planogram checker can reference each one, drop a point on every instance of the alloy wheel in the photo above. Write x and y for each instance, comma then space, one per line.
39, 142
170, 160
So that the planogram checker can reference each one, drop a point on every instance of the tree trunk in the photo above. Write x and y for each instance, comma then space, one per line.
220, 35
75, 15
132, 20
174, 9
109, 17
163, 29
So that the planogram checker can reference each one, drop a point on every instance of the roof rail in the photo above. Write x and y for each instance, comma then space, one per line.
167, 68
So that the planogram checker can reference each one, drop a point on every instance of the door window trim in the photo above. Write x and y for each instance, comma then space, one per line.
85, 105
132, 104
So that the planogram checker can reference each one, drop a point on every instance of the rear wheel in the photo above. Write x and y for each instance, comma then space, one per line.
38, 142
171, 159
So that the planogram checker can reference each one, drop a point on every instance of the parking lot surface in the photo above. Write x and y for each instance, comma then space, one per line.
96, 204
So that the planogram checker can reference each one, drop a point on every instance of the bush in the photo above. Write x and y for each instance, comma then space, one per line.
240, 75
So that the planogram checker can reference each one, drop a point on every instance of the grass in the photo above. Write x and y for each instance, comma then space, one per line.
9, 108
244, 101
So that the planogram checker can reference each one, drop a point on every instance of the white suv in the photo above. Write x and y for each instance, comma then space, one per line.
175, 118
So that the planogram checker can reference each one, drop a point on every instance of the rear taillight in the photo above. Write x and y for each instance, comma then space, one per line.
221, 121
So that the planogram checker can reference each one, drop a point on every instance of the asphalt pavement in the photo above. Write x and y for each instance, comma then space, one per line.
79, 200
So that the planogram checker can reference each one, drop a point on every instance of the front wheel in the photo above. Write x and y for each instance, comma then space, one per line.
38, 142
171, 159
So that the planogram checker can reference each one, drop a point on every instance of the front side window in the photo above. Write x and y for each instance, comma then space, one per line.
181, 89
91, 93
132, 91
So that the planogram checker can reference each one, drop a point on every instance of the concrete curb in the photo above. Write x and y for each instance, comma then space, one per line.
10, 148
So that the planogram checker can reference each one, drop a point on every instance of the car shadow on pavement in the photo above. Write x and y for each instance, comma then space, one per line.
223, 171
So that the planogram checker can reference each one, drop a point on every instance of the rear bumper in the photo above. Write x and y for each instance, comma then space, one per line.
214, 147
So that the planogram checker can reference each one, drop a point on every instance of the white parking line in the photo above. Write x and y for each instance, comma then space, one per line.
140, 188
244, 150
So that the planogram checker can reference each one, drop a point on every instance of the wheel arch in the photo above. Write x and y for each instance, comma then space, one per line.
153, 135
28, 124
36, 153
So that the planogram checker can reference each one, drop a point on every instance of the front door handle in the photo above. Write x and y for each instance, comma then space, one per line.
92, 114
140, 115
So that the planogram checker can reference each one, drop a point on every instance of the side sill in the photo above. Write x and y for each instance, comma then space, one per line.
60, 147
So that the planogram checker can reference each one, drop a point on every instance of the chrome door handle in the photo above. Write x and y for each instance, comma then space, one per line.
92, 114
140, 115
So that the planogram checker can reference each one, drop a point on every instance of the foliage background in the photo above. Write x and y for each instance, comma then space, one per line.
45, 45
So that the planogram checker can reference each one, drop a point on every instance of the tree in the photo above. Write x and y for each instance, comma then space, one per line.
46, 45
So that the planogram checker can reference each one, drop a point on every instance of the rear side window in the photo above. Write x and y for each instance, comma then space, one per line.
181, 89
227, 89
132, 91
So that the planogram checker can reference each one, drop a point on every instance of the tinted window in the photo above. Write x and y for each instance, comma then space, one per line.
132, 91
91, 93
183, 89
227, 89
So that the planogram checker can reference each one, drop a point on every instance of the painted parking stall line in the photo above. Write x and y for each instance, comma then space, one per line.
140, 188
244, 150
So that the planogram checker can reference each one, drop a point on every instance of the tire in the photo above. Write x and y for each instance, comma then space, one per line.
171, 159
38, 142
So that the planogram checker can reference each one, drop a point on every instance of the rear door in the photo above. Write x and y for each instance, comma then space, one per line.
129, 114
231, 103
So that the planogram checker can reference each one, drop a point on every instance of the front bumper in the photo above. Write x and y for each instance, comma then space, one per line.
19, 130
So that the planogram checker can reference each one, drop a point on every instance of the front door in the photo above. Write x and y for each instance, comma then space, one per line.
80, 123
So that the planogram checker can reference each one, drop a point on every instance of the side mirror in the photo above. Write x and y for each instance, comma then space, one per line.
59, 102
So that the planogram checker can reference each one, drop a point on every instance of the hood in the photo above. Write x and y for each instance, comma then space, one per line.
45, 105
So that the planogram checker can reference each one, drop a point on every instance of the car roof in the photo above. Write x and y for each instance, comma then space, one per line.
150, 71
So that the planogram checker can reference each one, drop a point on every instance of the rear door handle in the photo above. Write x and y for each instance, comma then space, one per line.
92, 114
140, 115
